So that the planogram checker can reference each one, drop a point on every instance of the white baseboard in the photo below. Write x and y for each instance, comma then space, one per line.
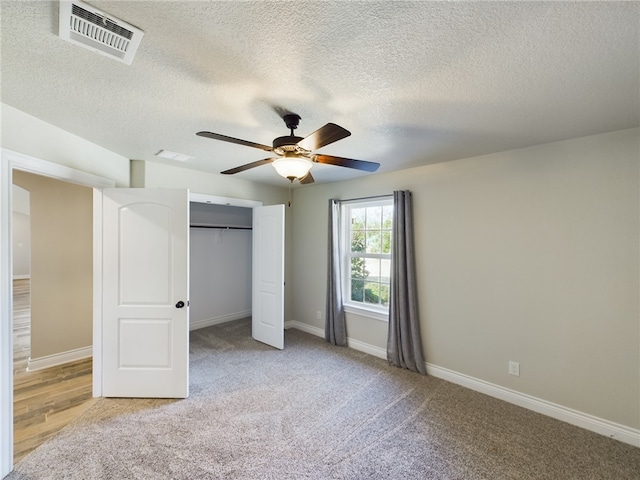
59, 358
304, 327
367, 348
574, 417
207, 322
351, 343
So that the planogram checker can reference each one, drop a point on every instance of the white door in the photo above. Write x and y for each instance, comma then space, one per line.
145, 317
267, 308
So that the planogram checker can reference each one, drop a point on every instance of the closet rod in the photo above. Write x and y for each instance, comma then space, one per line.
223, 227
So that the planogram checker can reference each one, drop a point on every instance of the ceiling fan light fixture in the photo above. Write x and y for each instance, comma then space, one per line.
291, 167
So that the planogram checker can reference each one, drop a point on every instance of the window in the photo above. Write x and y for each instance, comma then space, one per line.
366, 248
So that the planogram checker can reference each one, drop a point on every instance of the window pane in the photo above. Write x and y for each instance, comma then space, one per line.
368, 233
372, 266
374, 217
371, 293
357, 290
387, 216
386, 241
358, 269
384, 295
357, 218
385, 271
373, 241
357, 241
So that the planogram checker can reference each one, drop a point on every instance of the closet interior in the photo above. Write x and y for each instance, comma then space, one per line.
220, 276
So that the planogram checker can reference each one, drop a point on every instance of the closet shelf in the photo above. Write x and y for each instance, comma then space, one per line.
222, 227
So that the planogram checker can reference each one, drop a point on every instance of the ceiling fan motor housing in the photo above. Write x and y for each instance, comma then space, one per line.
288, 141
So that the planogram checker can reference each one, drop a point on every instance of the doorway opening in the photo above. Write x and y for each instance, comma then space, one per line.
52, 256
220, 275
266, 292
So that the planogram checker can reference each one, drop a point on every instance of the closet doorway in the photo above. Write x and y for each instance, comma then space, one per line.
220, 270
244, 268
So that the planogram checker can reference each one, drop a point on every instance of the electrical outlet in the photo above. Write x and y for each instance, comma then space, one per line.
514, 368
318, 315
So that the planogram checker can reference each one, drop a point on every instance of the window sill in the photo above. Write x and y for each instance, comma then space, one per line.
367, 312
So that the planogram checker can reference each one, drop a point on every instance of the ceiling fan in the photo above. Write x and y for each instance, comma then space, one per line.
295, 155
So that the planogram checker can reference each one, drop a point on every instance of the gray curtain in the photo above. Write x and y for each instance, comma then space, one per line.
404, 345
334, 328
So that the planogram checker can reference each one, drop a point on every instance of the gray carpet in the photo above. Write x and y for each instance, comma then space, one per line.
313, 411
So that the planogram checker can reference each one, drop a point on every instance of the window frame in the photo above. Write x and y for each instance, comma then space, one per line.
377, 312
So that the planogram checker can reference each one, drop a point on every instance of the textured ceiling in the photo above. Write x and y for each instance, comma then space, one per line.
415, 82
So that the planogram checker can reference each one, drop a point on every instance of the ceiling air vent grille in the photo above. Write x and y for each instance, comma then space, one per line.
91, 28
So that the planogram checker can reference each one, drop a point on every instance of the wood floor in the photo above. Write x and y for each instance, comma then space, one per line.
46, 400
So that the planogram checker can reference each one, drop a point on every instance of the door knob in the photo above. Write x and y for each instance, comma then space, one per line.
180, 304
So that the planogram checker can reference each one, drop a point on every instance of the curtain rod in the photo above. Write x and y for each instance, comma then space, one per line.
363, 198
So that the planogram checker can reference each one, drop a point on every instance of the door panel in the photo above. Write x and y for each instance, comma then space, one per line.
146, 261
154, 352
268, 275
150, 225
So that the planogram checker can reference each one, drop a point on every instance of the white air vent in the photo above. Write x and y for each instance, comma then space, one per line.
91, 28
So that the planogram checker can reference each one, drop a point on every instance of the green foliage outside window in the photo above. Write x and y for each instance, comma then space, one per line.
370, 234
358, 269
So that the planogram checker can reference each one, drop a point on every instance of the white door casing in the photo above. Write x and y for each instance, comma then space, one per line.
268, 275
145, 329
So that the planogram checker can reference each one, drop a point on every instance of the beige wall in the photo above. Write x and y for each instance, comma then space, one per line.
530, 255
61, 264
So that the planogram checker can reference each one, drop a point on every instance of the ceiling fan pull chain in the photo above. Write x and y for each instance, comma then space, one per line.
290, 182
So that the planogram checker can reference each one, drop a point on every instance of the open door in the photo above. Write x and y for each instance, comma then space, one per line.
267, 308
145, 320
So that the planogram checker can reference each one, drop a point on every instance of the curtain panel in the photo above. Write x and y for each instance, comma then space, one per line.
334, 329
404, 344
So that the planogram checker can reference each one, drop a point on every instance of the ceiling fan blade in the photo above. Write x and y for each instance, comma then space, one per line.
224, 138
347, 162
247, 166
323, 136
308, 178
